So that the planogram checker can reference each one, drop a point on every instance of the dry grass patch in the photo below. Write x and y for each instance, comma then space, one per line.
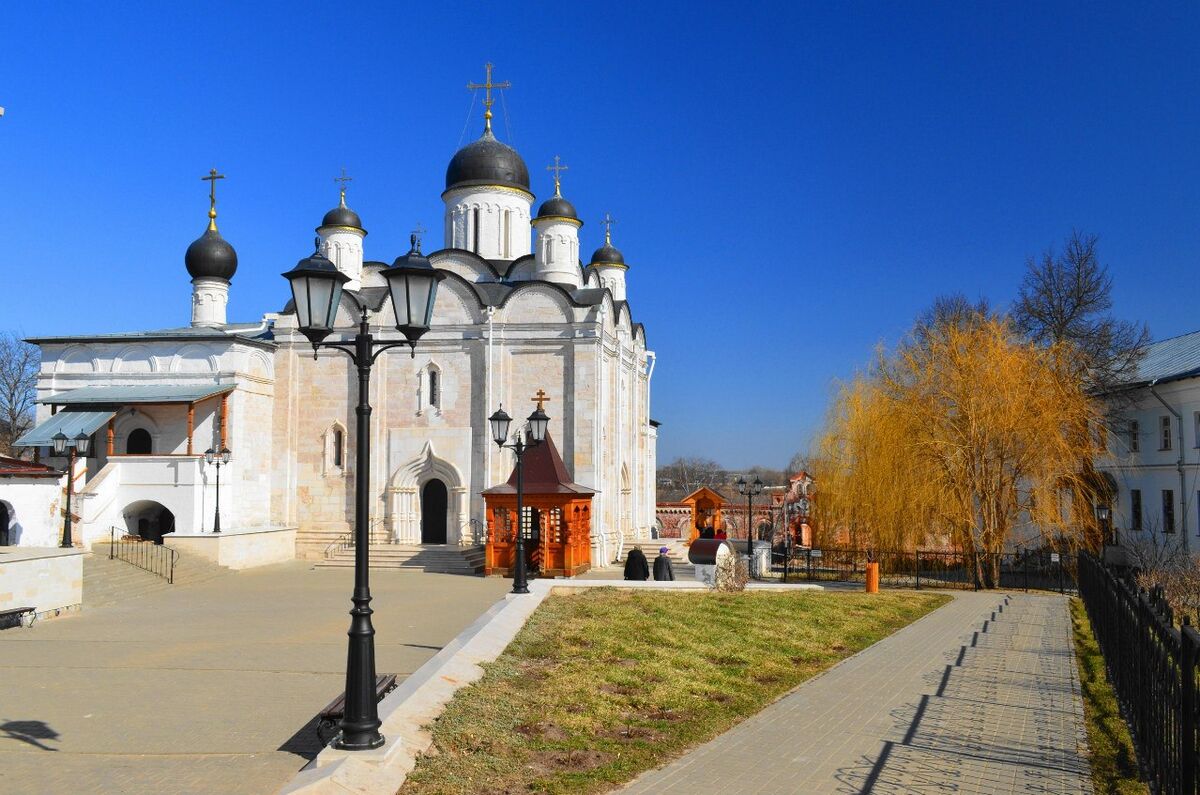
604, 684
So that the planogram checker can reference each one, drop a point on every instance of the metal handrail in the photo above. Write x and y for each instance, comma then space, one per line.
155, 558
346, 540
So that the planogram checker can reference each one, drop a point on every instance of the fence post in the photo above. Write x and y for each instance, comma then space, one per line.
917, 569
1025, 570
1187, 696
1061, 592
112, 541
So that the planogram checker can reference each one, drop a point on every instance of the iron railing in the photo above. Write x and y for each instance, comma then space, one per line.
1027, 570
1152, 665
146, 555
341, 544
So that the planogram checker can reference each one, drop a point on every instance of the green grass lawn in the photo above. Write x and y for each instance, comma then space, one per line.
1114, 764
601, 685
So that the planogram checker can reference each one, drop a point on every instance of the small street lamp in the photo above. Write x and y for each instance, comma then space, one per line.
500, 422
83, 443
317, 290
211, 456
750, 490
1103, 514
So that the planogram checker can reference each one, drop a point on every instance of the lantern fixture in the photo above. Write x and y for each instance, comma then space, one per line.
500, 422
538, 421
317, 292
60, 443
83, 444
412, 283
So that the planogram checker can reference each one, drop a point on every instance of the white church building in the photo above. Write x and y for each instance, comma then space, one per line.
517, 312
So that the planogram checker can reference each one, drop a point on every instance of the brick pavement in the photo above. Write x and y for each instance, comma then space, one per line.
981, 696
206, 688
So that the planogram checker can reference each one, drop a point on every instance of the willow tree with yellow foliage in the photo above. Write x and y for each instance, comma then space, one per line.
961, 434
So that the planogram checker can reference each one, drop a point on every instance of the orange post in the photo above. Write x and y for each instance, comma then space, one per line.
873, 577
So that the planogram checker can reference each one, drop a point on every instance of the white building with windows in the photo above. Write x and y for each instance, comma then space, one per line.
518, 312
1154, 453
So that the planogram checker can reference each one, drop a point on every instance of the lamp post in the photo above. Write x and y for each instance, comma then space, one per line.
749, 490
500, 422
317, 290
83, 443
1103, 514
212, 456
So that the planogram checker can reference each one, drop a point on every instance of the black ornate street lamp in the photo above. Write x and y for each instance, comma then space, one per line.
750, 490
500, 422
1103, 514
212, 456
83, 443
317, 289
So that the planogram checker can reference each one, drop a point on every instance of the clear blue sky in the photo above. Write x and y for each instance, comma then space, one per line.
792, 184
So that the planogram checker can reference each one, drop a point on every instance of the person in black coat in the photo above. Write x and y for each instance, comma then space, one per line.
636, 566
662, 566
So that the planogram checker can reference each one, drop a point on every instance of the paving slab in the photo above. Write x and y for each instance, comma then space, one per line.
206, 688
981, 696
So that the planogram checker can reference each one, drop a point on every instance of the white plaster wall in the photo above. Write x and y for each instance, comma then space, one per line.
34, 509
210, 297
344, 248
48, 581
495, 237
557, 252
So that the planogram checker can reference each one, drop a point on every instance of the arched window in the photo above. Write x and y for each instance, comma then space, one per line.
138, 442
335, 450
435, 394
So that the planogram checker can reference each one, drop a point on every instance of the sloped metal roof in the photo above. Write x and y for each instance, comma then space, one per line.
71, 423
142, 393
1171, 359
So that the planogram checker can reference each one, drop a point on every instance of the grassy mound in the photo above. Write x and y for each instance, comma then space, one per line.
604, 684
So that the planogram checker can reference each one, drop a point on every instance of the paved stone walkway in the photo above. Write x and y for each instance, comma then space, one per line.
206, 688
981, 696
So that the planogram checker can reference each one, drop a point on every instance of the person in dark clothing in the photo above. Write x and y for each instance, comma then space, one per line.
636, 565
662, 566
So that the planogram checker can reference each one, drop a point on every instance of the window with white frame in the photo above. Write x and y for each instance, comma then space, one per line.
1134, 444
335, 450
1164, 433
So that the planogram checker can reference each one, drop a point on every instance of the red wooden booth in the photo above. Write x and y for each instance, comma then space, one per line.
557, 519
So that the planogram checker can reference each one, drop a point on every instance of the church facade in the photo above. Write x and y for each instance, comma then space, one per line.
519, 311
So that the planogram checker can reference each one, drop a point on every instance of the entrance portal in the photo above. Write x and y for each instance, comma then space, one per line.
433, 512
5, 518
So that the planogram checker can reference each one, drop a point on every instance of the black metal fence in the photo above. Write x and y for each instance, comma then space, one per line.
1028, 570
154, 558
1152, 665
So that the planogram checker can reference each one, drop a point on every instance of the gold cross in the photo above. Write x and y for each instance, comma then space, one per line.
487, 85
211, 179
608, 223
557, 168
540, 398
416, 236
343, 179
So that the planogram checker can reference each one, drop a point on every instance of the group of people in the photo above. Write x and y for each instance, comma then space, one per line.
638, 568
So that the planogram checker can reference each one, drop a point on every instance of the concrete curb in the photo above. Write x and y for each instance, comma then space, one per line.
422, 697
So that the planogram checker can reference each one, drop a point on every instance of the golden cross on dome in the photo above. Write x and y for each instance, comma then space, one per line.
343, 179
540, 398
556, 168
211, 179
608, 223
416, 236
487, 85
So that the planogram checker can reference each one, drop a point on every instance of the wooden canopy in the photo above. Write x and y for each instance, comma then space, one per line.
706, 505
557, 518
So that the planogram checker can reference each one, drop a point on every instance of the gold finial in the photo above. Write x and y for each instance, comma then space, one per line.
608, 222
540, 398
487, 85
343, 179
211, 179
557, 168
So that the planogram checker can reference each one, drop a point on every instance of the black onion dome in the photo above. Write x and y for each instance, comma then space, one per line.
557, 206
211, 257
487, 162
342, 216
608, 254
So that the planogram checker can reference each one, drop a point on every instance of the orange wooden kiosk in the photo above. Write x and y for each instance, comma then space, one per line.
557, 521
706, 506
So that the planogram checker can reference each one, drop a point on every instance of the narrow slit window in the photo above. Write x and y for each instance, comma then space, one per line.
338, 446
435, 388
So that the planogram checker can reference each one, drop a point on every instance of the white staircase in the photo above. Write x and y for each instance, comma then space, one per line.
430, 558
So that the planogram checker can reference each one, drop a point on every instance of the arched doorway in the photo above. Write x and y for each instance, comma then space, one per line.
149, 519
139, 442
5, 518
434, 501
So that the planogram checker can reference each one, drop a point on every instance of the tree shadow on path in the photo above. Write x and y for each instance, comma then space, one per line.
30, 732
